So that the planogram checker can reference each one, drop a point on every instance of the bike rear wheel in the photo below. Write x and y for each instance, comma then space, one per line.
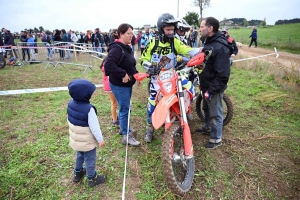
2, 62
178, 171
227, 109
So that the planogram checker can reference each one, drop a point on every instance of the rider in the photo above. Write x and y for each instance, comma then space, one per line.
163, 45
181, 29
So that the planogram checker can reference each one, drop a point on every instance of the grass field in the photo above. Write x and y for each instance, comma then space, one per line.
259, 158
284, 37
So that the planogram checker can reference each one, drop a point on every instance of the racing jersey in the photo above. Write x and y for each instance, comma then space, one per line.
156, 49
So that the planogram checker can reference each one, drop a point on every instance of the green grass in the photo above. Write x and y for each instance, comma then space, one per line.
259, 159
284, 37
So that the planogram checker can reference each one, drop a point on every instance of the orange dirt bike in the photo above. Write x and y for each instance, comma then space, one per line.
172, 106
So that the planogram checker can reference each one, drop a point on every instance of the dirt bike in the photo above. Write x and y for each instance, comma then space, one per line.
173, 102
193, 76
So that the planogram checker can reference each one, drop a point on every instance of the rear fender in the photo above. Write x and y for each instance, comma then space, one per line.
162, 110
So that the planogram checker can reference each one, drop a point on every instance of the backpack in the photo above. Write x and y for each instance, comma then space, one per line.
44, 38
123, 53
228, 44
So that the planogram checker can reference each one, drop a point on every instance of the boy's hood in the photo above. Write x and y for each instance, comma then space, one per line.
81, 90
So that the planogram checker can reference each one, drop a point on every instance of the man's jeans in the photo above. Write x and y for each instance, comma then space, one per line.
123, 96
213, 111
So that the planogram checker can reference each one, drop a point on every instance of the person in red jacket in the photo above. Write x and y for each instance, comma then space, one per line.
113, 100
232, 41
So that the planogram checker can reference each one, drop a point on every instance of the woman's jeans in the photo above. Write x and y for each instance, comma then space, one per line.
213, 110
123, 96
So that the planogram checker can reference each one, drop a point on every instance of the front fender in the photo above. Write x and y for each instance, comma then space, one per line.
162, 110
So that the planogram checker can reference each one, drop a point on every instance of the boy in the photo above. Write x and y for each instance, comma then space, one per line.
84, 130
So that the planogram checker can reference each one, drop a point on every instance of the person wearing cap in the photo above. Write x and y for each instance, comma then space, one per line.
231, 40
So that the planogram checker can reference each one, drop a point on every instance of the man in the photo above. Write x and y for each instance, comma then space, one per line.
98, 41
194, 36
213, 79
253, 37
9, 41
25, 49
230, 40
163, 45
146, 37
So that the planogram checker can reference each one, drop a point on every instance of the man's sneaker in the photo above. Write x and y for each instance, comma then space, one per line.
149, 133
78, 175
131, 140
205, 131
210, 145
96, 180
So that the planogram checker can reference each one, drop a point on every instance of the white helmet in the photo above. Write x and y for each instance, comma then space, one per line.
183, 25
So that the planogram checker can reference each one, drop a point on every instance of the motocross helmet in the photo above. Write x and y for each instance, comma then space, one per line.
183, 25
166, 19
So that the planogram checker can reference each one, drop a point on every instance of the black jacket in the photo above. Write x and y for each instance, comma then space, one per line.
9, 39
97, 38
216, 72
1, 41
126, 64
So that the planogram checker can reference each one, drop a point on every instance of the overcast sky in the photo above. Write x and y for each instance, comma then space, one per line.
81, 15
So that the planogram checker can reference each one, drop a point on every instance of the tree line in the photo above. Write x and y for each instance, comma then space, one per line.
287, 21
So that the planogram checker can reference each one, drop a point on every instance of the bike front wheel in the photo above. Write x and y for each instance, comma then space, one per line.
177, 170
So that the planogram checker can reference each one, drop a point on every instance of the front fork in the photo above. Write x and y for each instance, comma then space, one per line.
187, 138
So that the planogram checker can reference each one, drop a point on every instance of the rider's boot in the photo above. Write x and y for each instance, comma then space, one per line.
149, 133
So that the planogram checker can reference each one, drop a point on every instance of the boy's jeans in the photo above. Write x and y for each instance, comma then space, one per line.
89, 157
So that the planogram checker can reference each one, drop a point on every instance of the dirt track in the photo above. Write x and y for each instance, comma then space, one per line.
285, 59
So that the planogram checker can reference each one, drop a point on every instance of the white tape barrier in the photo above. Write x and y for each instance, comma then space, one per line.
277, 55
26, 91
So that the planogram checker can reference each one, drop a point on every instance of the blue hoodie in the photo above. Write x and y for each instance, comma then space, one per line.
81, 91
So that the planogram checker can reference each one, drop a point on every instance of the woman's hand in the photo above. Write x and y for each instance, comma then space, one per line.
126, 78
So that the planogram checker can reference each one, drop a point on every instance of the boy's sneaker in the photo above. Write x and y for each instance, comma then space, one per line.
131, 140
78, 175
210, 145
96, 180
205, 131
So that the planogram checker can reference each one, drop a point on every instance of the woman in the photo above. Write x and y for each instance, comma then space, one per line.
120, 67
88, 39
